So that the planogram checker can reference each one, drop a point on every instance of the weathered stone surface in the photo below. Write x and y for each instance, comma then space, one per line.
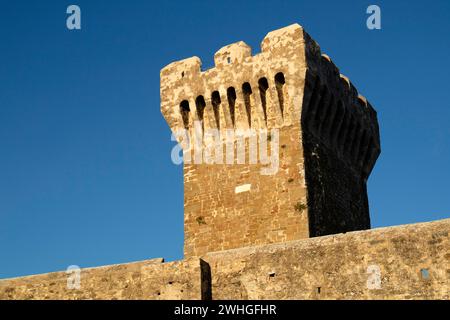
414, 263
143, 280
328, 144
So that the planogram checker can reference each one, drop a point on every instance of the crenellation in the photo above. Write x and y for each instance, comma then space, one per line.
233, 53
235, 60
343, 90
344, 124
329, 67
234, 67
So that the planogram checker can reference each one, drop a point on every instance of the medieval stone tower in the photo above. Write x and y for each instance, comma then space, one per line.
324, 142
328, 144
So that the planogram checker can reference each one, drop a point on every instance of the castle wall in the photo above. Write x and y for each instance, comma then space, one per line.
413, 261
143, 280
231, 206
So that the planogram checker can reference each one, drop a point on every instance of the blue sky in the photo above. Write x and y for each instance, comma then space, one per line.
85, 170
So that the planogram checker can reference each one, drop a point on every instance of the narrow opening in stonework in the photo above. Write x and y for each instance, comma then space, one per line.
328, 118
279, 83
320, 108
184, 110
231, 96
215, 101
323, 110
350, 135
338, 119
310, 111
342, 131
247, 92
263, 85
200, 104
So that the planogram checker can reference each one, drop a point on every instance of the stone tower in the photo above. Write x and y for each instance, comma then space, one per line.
327, 144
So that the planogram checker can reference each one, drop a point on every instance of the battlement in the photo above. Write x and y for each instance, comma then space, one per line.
341, 118
264, 91
240, 90
328, 139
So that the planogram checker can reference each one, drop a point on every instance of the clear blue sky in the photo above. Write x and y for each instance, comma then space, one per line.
85, 170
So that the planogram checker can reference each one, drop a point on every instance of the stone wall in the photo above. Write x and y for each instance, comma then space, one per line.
232, 206
412, 261
143, 280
